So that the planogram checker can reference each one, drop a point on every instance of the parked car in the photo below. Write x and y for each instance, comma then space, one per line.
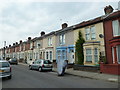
41, 65
13, 61
5, 69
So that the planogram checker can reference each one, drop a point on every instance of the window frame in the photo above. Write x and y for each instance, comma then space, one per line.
96, 55
118, 57
62, 39
47, 55
87, 55
113, 28
50, 55
89, 33
50, 41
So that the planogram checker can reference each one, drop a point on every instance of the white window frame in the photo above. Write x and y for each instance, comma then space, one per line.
31, 45
89, 54
113, 54
89, 33
93, 33
51, 54
50, 41
62, 39
116, 30
96, 55
118, 57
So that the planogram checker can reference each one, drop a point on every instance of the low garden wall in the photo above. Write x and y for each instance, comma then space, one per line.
87, 68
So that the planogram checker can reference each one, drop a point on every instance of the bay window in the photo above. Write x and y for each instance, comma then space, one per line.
96, 55
88, 55
118, 53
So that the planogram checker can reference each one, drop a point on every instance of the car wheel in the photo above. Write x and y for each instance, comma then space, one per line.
9, 77
30, 67
40, 69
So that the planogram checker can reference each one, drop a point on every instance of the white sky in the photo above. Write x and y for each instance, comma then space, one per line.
20, 19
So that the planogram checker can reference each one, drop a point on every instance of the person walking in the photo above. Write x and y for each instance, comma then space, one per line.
65, 63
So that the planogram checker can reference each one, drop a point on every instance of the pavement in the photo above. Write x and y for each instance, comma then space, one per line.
91, 75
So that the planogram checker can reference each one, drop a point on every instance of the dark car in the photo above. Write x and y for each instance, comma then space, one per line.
41, 65
5, 69
13, 61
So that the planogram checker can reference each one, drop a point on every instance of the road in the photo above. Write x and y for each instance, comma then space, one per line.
25, 78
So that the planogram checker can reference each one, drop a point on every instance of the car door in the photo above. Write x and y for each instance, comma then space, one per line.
33, 65
38, 63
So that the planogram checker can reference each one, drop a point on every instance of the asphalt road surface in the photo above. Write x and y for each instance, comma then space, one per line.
25, 78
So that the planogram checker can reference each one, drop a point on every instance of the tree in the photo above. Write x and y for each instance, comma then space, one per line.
79, 49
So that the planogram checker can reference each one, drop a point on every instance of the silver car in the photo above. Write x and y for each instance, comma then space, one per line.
5, 69
41, 65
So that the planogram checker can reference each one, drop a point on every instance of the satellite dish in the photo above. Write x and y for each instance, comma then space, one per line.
38, 44
101, 36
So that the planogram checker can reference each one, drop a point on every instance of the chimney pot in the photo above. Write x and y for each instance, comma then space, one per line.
13, 44
108, 9
29, 38
64, 25
16, 43
20, 41
42, 33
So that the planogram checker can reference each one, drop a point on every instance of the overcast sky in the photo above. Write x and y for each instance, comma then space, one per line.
19, 20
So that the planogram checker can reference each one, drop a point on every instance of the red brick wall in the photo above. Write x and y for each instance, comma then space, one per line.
110, 68
108, 33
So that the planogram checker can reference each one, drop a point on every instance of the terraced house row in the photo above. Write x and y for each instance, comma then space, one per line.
101, 34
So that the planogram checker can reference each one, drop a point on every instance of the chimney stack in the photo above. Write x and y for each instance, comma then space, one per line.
42, 33
20, 41
108, 9
64, 25
16, 43
29, 38
13, 44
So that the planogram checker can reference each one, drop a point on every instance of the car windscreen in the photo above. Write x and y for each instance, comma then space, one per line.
14, 59
47, 62
4, 64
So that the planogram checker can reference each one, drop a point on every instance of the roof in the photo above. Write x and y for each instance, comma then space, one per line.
89, 22
112, 15
64, 30
80, 25
51, 33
